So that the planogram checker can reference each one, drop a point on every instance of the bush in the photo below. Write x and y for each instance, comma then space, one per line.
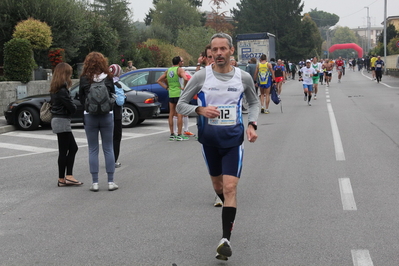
36, 32
18, 60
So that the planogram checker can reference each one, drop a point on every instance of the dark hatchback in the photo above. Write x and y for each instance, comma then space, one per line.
140, 105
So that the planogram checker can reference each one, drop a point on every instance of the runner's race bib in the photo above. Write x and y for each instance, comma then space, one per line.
379, 65
227, 117
339, 67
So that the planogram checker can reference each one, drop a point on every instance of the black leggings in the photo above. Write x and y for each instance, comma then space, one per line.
117, 137
67, 149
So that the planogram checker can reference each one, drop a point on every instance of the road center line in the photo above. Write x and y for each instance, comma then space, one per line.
347, 198
339, 150
361, 257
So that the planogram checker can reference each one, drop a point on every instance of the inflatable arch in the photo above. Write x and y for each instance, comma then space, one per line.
354, 46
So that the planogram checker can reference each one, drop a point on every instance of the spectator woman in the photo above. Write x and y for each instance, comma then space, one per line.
96, 70
62, 109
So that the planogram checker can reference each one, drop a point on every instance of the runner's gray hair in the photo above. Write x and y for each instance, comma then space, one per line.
224, 36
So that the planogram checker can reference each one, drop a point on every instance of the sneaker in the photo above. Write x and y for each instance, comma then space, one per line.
224, 249
309, 104
189, 134
112, 186
315, 97
262, 111
218, 202
181, 137
172, 137
221, 257
305, 98
117, 164
339, 81
94, 187
267, 111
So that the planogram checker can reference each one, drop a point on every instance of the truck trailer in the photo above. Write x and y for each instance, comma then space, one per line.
254, 45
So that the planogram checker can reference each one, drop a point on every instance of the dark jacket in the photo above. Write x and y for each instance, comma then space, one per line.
84, 87
61, 104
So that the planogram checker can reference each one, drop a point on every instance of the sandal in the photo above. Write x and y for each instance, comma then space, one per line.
69, 182
61, 184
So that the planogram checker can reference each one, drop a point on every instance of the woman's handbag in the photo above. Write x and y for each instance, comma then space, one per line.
45, 112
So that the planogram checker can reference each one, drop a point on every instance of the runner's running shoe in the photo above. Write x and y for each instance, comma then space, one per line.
305, 98
315, 97
224, 249
218, 202
309, 104
267, 111
181, 137
172, 137
262, 111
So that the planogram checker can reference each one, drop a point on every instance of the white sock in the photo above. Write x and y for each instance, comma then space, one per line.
185, 123
175, 124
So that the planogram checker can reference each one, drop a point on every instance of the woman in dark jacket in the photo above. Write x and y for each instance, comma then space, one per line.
96, 70
62, 109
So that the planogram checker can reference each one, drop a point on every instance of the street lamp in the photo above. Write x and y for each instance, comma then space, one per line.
368, 30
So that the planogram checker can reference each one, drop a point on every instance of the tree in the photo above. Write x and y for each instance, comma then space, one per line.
67, 19
175, 15
343, 35
391, 33
117, 14
217, 20
283, 19
194, 39
149, 17
323, 19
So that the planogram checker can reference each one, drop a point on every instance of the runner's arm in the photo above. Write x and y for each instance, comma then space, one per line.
193, 86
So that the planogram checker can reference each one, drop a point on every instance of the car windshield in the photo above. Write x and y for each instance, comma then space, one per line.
75, 88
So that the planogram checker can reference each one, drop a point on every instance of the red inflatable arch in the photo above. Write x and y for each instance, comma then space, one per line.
354, 46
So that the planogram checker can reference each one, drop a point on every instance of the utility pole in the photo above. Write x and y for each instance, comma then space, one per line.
385, 36
368, 34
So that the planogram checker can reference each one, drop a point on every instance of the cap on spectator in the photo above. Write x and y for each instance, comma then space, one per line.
308, 61
115, 69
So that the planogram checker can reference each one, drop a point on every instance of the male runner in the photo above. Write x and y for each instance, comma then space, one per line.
372, 64
264, 76
340, 67
279, 74
220, 88
170, 81
307, 74
315, 78
379, 66
328, 67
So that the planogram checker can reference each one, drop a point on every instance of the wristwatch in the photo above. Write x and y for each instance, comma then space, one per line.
253, 124
198, 64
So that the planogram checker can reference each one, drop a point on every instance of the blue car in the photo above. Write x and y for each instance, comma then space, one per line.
145, 79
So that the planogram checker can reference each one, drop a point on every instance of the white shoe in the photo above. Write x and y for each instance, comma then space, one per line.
112, 186
218, 202
315, 97
94, 187
309, 104
305, 97
224, 249
117, 164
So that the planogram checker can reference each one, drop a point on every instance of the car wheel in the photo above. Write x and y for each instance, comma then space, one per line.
28, 118
130, 116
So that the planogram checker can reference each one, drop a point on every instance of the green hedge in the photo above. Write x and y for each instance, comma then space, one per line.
18, 60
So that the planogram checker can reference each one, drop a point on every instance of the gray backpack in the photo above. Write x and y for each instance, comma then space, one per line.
98, 100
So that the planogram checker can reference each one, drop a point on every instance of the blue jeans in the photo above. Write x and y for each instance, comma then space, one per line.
105, 125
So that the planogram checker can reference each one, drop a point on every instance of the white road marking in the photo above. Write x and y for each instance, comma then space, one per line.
339, 150
31, 149
347, 198
37, 136
361, 257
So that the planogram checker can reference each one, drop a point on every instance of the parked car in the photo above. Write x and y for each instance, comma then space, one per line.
140, 105
145, 79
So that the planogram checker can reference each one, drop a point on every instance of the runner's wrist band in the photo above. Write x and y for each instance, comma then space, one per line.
253, 124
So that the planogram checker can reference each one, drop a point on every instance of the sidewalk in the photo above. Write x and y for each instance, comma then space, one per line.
4, 127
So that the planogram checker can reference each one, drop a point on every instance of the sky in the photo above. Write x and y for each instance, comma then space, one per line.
352, 13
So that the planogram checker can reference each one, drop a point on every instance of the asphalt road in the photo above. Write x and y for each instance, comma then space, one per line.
319, 187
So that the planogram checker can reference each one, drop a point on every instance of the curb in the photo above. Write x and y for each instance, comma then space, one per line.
5, 129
